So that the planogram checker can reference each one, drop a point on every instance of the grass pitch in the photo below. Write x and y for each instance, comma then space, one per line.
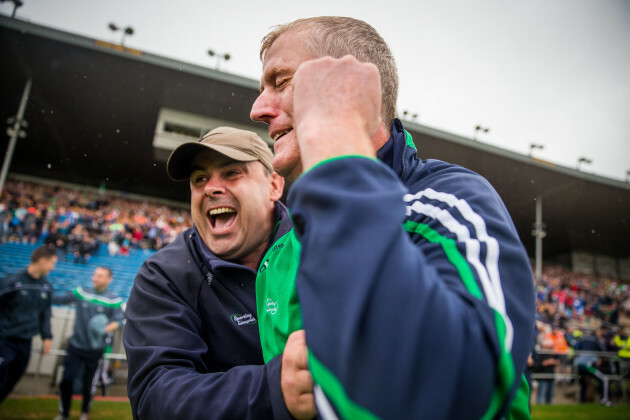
33, 408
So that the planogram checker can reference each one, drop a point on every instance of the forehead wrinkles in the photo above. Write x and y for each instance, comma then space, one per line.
286, 53
290, 44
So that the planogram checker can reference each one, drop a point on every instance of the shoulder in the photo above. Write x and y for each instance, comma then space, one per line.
89, 294
448, 177
179, 248
447, 185
176, 265
11, 279
109, 294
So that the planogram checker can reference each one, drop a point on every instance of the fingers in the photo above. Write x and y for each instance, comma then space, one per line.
297, 350
296, 381
299, 382
305, 407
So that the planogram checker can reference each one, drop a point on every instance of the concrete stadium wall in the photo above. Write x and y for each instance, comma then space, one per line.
62, 323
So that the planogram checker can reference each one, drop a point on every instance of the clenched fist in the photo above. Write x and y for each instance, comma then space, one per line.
337, 108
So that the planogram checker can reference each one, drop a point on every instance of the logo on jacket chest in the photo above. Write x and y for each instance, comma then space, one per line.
263, 266
246, 319
272, 306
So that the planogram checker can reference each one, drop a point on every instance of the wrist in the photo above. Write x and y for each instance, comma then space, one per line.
320, 142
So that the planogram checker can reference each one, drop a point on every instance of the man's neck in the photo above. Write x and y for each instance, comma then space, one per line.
380, 137
253, 259
34, 272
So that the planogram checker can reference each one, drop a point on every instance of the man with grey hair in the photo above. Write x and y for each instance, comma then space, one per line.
411, 284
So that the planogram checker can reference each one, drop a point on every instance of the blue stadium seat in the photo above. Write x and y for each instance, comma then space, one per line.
68, 274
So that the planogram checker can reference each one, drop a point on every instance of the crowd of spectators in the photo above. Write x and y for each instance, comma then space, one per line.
564, 297
79, 221
579, 312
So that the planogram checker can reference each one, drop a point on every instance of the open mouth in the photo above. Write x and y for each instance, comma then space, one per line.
222, 218
281, 134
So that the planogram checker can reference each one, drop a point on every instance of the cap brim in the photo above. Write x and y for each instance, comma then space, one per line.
178, 165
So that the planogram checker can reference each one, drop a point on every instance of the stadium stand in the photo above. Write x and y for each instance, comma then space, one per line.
68, 274
113, 231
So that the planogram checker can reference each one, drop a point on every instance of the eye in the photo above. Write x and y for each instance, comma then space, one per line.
233, 172
198, 179
282, 82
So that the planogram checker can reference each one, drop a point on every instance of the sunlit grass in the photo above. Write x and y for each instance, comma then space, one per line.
26, 408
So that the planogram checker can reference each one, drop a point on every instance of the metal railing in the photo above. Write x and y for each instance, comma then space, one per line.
618, 369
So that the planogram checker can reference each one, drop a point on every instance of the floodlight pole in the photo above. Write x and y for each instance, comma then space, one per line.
224, 56
480, 128
14, 133
539, 233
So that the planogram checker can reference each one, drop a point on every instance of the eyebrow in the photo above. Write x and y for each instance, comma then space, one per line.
225, 164
273, 74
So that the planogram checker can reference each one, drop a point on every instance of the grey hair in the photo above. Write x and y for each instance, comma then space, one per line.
337, 36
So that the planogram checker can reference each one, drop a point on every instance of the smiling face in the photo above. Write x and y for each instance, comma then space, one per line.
101, 278
232, 205
274, 105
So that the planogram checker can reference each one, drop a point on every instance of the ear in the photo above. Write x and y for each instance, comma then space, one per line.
276, 186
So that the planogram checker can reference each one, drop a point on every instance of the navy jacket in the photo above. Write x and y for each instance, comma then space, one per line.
192, 339
417, 295
25, 306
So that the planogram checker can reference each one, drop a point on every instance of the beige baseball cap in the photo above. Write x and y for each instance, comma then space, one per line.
240, 145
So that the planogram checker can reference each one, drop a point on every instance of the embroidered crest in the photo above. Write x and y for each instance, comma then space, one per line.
272, 306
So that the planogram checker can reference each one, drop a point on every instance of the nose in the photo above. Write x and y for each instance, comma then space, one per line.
265, 108
213, 187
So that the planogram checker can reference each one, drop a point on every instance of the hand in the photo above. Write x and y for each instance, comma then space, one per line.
112, 326
46, 345
295, 378
337, 108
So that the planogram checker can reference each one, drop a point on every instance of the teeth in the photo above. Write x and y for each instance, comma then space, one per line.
221, 210
277, 136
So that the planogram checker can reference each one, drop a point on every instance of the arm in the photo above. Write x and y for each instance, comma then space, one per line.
372, 297
64, 298
6, 287
170, 374
116, 319
400, 295
45, 329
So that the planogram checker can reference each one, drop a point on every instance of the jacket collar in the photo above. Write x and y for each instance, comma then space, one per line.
399, 153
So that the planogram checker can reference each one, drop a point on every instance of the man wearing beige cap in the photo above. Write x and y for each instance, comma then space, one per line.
191, 338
